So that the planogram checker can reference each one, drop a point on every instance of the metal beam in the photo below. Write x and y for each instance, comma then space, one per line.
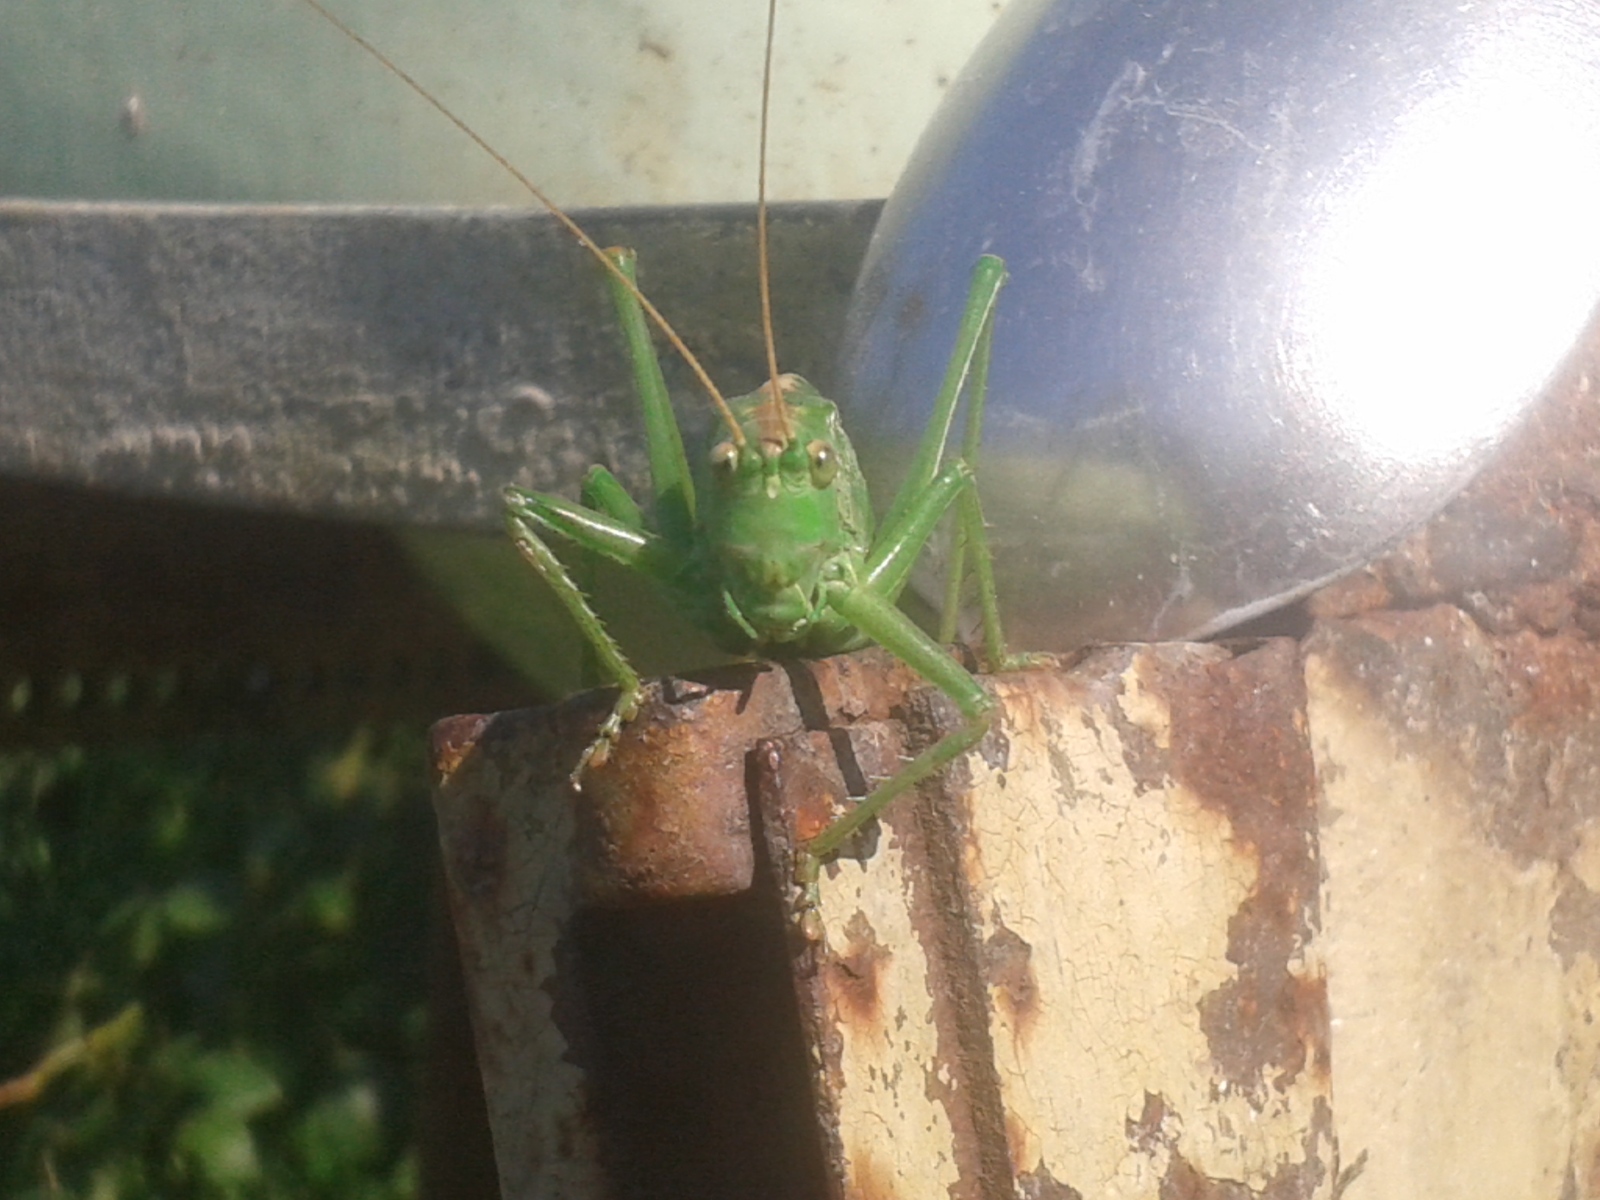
398, 365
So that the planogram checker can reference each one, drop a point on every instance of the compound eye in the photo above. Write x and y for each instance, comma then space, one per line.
824, 463
724, 458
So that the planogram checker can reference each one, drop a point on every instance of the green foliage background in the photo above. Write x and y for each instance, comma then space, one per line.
242, 919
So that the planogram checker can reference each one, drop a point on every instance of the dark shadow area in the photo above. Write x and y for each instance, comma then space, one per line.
137, 617
692, 1039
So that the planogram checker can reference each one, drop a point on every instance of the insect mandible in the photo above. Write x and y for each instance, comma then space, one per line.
770, 545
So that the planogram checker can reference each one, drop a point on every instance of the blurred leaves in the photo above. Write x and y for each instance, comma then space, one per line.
213, 968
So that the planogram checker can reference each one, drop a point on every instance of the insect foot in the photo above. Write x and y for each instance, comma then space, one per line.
1027, 660
808, 900
859, 841
599, 751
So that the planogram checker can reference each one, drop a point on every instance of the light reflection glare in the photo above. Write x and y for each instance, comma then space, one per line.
1447, 283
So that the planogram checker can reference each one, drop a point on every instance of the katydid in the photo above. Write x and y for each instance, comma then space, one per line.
769, 543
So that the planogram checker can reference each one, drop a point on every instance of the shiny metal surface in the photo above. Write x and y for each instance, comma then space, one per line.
1281, 276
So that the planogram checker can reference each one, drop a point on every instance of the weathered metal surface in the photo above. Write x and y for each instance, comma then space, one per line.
397, 365
1087, 968
1454, 699
1087, 965
1461, 782
885, 1006
647, 1052
667, 815
1144, 871
512, 892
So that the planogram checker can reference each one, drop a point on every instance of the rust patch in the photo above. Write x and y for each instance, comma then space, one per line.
1007, 962
1239, 745
1513, 721
1265, 1023
1039, 1184
1552, 683
1183, 1182
1363, 591
867, 686
451, 741
811, 781
667, 814
1156, 1127
1158, 668
855, 974
1291, 1181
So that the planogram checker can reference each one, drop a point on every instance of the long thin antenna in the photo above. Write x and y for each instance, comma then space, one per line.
763, 266
572, 226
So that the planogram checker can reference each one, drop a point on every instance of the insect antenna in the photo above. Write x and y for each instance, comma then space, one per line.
780, 409
572, 227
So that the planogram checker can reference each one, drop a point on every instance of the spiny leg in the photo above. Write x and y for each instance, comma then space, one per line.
673, 503
609, 522
604, 493
868, 604
880, 620
528, 514
977, 318
929, 488
972, 534
978, 393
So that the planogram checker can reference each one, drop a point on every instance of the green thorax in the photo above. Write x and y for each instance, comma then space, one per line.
784, 514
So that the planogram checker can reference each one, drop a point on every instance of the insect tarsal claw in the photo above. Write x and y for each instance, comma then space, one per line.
808, 899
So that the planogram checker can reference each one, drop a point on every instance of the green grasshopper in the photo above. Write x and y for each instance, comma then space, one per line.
769, 546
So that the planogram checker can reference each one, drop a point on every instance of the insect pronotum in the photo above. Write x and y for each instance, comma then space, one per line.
770, 545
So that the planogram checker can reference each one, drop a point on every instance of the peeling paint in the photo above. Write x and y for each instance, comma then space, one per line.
1449, 1004
1126, 891
864, 909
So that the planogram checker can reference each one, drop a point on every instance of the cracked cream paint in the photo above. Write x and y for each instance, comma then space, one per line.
894, 1134
1124, 892
1450, 1010
509, 919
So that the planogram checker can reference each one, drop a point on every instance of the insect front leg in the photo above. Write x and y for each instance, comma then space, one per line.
532, 515
869, 605
879, 619
609, 522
